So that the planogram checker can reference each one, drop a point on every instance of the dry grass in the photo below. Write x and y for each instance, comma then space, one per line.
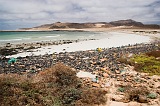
133, 94
154, 53
57, 86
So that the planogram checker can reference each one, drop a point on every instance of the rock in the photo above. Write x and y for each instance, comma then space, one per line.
107, 84
95, 85
12, 65
103, 69
103, 59
142, 99
105, 75
158, 91
6, 51
117, 98
153, 102
117, 72
114, 103
39, 69
22, 66
134, 104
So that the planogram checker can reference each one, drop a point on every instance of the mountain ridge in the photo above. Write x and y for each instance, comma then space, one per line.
67, 25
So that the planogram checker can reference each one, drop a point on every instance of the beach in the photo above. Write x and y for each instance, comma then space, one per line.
115, 39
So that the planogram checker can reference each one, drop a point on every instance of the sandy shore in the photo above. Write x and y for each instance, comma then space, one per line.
115, 40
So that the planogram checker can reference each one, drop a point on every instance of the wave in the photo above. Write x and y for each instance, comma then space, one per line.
26, 38
91, 36
8, 40
52, 36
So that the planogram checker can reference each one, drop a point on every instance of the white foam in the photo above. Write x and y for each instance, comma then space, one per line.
51, 36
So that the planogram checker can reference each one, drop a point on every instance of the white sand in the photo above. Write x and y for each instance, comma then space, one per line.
116, 40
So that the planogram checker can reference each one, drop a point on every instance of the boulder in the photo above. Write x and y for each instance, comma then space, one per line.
117, 98
105, 75
95, 85
142, 99
134, 104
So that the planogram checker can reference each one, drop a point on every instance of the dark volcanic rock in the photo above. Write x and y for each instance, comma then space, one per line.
5, 51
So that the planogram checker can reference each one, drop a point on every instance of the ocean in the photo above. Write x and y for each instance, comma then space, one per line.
28, 37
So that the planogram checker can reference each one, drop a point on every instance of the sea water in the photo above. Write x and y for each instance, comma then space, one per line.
28, 37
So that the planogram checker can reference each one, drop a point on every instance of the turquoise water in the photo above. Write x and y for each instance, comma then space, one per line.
24, 37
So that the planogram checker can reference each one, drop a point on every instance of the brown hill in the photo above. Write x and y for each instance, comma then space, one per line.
72, 25
128, 23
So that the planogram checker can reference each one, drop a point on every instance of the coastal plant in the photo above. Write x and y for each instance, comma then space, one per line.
93, 96
124, 60
71, 95
57, 102
152, 95
154, 53
56, 86
133, 94
144, 63
65, 76
121, 89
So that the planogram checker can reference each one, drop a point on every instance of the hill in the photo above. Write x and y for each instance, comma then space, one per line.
127, 23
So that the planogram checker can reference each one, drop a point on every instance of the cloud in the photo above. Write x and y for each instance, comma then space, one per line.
26, 13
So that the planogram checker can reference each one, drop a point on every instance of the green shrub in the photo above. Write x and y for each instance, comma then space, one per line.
120, 89
152, 95
71, 95
144, 63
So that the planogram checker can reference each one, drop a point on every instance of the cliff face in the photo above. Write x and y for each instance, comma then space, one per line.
126, 23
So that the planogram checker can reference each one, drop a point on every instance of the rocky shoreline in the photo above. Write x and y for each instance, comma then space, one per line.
11, 49
90, 60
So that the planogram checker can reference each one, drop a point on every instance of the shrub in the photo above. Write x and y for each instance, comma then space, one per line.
120, 89
154, 53
144, 63
56, 86
124, 60
133, 94
152, 95
71, 95
93, 96
65, 76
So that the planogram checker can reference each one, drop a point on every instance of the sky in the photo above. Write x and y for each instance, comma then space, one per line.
16, 14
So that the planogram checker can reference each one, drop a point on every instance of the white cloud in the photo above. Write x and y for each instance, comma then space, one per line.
49, 11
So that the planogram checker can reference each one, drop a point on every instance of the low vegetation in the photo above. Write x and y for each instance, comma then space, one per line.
148, 63
57, 86
139, 94
136, 94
